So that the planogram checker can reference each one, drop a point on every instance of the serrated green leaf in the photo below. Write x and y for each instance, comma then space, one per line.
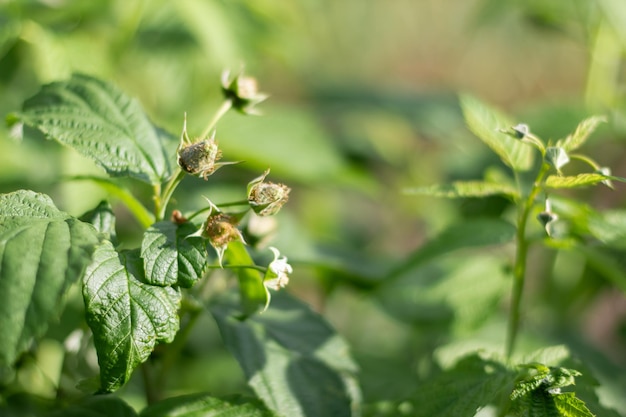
473, 383
487, 123
103, 124
538, 403
97, 406
582, 132
468, 234
171, 256
461, 189
103, 219
254, 295
293, 360
127, 317
42, 252
205, 405
580, 180
570, 406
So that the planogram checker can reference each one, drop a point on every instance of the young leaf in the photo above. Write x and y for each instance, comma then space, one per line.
461, 189
251, 289
103, 219
103, 124
98, 406
205, 405
171, 257
293, 360
127, 317
569, 406
43, 251
580, 180
486, 123
582, 132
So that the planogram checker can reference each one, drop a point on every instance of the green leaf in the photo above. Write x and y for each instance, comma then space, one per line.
98, 406
570, 406
103, 124
127, 317
487, 123
580, 180
205, 405
42, 251
103, 219
460, 189
468, 234
293, 360
582, 132
254, 295
171, 256
473, 383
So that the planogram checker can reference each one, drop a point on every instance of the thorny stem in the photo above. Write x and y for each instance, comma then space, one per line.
519, 269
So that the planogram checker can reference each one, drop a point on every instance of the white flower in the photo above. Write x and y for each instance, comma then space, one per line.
277, 275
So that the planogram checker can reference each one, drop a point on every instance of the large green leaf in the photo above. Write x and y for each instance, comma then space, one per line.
204, 405
580, 180
42, 252
127, 316
103, 124
487, 123
293, 360
98, 406
171, 256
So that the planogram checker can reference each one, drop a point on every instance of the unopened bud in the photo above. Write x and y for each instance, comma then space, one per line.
266, 198
242, 91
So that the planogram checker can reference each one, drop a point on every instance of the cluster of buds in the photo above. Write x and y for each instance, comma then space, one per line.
200, 157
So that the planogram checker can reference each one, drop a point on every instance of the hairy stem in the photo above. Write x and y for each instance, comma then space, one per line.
226, 105
521, 254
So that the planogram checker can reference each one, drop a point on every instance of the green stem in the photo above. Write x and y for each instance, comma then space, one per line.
521, 255
205, 209
226, 105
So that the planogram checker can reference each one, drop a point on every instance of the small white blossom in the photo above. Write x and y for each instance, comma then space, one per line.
277, 275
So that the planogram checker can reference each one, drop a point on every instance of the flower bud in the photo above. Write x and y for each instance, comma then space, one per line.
221, 229
242, 91
277, 275
607, 172
266, 198
557, 157
547, 218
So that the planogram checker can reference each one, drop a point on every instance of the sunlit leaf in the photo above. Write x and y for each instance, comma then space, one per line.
462, 189
171, 256
127, 317
580, 180
488, 123
293, 360
205, 405
582, 132
103, 124
42, 251
251, 289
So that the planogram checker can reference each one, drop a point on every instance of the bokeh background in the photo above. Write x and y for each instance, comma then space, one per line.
363, 103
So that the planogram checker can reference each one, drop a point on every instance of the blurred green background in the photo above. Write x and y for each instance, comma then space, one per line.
363, 102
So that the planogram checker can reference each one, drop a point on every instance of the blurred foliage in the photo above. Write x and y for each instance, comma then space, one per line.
363, 103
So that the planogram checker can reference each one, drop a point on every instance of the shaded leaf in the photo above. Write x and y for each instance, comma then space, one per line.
103, 219
468, 234
582, 132
171, 256
42, 251
461, 189
98, 406
487, 123
103, 124
473, 383
127, 317
205, 405
293, 360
